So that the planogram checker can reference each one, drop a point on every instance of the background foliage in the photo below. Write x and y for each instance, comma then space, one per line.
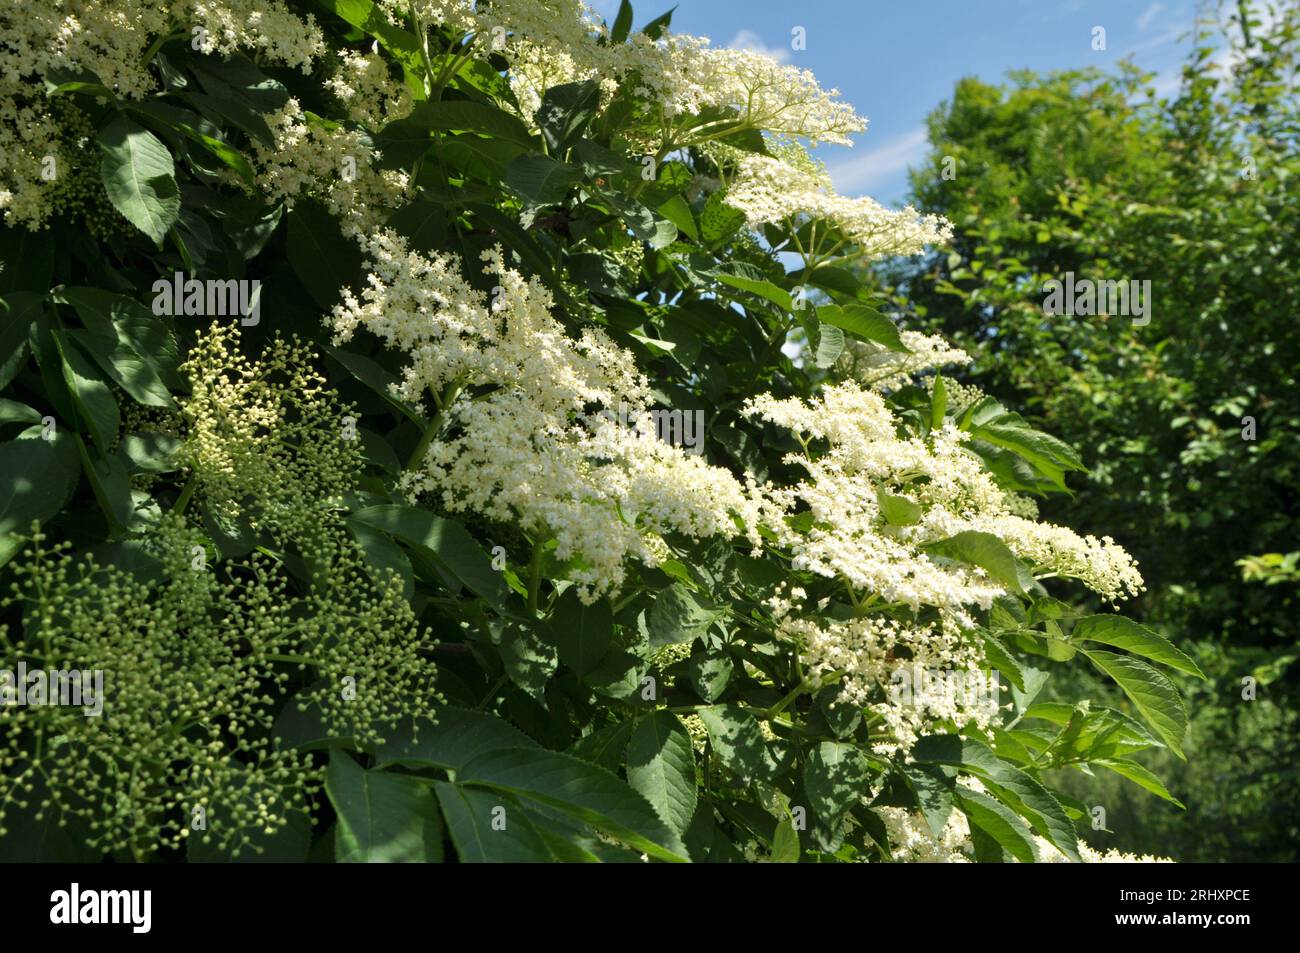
1195, 191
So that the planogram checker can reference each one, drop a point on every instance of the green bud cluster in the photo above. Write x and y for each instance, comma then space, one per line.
200, 659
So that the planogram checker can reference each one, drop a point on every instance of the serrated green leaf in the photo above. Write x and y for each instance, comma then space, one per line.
677, 616
13, 411
1140, 776
382, 817
661, 766
540, 179
564, 112
897, 510
95, 402
622, 23
321, 256
830, 345
529, 659
37, 477
489, 827
580, 789
446, 541
678, 211
719, 221
710, 673
998, 822
1151, 692
134, 346
835, 777
785, 843
606, 746
457, 737
139, 177
1020, 791
997, 655
737, 740
760, 287
983, 550
938, 402
863, 322
1133, 637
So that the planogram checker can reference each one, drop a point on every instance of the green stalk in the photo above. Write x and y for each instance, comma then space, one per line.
535, 577
115, 528
187, 491
435, 425
422, 37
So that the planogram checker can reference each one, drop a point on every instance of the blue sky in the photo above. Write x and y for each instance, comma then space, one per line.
895, 60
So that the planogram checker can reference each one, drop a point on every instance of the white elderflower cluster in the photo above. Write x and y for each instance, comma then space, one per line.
1048, 854
852, 454
559, 41
772, 96
39, 145
313, 157
772, 191
1100, 564
527, 412
265, 26
848, 537
363, 84
535, 68
547, 42
956, 493
912, 841
500, 25
879, 368
906, 679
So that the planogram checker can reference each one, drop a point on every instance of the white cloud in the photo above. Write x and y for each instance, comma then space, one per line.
1148, 15
1168, 82
749, 40
1170, 34
866, 171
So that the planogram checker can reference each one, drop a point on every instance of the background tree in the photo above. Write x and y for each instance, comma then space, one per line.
1188, 424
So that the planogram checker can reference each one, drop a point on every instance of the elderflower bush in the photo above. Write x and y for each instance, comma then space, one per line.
400, 530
